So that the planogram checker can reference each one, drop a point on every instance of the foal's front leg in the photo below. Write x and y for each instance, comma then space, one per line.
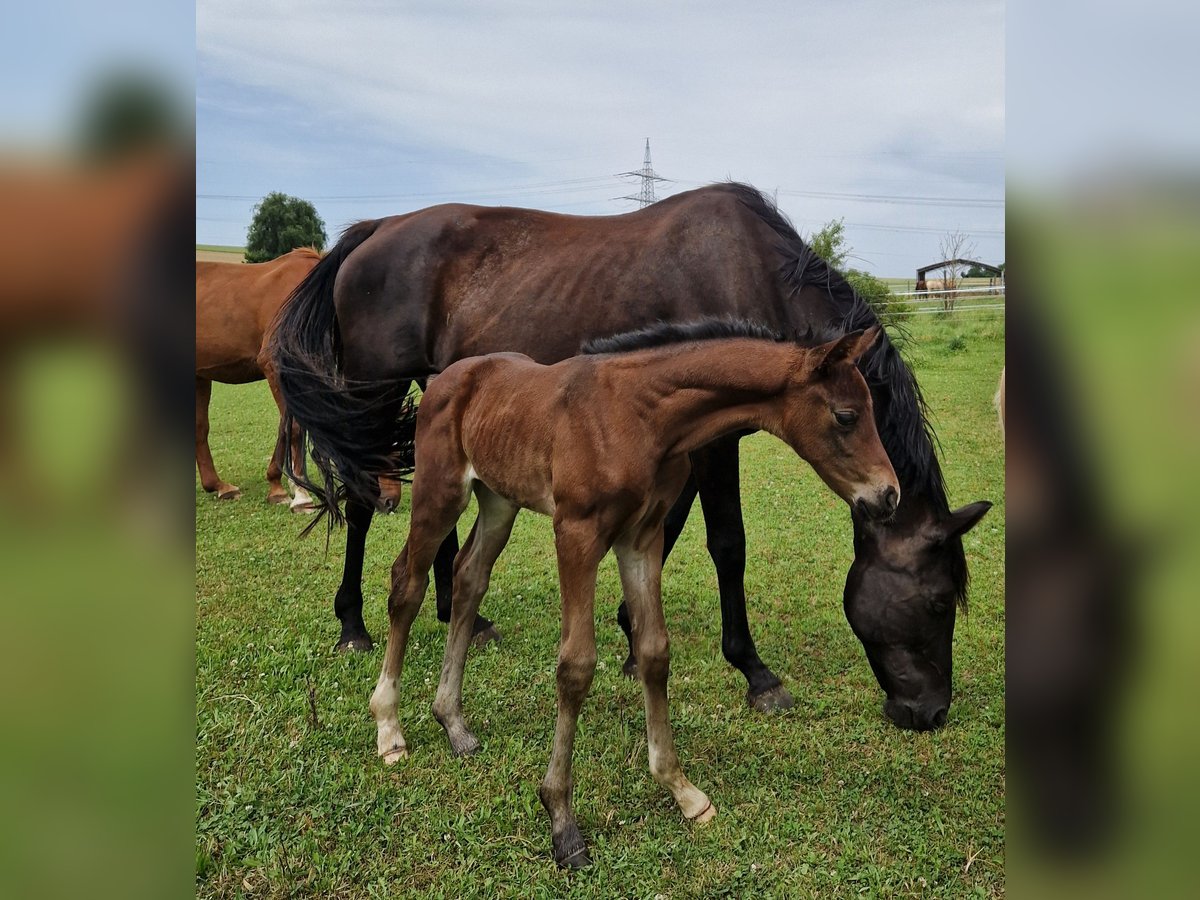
579, 554
640, 563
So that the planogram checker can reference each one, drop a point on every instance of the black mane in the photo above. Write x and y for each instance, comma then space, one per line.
900, 411
662, 334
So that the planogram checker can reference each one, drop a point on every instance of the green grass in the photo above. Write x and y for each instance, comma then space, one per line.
825, 800
221, 248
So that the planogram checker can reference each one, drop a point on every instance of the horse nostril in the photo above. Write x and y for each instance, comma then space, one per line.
889, 499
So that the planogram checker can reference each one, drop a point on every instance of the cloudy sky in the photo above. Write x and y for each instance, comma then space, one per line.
889, 115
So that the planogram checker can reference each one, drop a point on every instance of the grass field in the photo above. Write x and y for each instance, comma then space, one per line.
220, 253
825, 800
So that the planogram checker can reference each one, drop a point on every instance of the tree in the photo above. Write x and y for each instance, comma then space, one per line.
953, 245
829, 243
280, 225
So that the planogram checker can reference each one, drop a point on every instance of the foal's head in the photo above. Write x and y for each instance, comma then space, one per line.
828, 419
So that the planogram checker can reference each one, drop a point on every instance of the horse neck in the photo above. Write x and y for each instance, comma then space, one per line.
715, 388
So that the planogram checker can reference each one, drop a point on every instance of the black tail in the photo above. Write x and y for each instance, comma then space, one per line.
357, 430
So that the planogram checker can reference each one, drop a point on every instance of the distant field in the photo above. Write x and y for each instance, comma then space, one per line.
220, 253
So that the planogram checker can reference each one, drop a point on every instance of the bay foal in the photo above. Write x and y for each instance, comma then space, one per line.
601, 443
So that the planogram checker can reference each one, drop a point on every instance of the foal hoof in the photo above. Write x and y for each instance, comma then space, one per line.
772, 700
362, 644
229, 492
483, 638
394, 755
630, 669
706, 815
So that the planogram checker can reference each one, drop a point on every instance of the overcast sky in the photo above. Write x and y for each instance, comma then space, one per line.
889, 115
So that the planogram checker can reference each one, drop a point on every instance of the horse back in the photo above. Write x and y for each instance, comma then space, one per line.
453, 281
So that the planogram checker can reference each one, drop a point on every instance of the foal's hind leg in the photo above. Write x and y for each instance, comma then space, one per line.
433, 517
472, 571
640, 563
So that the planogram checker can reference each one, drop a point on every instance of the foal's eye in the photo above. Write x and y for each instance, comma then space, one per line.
845, 417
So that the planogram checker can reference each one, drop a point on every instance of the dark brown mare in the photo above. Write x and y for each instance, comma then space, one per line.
601, 443
235, 305
402, 298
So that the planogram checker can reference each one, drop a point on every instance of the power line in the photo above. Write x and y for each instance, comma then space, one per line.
648, 176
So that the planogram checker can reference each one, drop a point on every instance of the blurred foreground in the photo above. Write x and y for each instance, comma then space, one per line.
96, 231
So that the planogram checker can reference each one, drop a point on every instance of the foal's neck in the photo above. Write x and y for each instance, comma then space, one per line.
713, 388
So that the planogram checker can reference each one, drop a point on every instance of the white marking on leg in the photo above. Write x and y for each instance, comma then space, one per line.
389, 738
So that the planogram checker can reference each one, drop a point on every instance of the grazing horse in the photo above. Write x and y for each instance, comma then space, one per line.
601, 443
235, 305
404, 297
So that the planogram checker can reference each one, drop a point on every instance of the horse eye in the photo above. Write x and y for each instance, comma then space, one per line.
846, 417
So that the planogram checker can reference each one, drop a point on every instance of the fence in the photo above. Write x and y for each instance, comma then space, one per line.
930, 302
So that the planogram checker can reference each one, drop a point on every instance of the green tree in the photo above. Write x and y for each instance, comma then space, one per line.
280, 225
829, 243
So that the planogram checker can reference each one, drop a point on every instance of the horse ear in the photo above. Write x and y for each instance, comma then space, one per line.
963, 519
849, 346
828, 355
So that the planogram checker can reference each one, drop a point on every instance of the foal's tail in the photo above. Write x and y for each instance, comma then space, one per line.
358, 430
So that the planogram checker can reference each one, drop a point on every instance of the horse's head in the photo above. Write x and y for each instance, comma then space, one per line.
390, 490
829, 421
902, 590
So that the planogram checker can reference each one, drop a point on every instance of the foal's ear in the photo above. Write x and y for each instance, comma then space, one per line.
849, 347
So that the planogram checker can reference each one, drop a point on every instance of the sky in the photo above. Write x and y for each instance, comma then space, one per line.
889, 116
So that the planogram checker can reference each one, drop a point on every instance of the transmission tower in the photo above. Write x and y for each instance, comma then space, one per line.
648, 176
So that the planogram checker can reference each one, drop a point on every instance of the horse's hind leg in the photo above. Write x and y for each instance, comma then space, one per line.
286, 440
472, 572
640, 564
432, 519
204, 461
483, 630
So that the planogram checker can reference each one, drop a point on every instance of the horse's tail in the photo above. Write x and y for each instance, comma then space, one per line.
358, 430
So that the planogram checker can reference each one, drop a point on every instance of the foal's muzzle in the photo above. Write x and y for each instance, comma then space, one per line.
881, 506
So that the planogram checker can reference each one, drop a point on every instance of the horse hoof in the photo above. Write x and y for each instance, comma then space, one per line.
362, 644
491, 633
465, 745
577, 860
630, 669
707, 815
304, 506
773, 700
394, 755
276, 499
229, 492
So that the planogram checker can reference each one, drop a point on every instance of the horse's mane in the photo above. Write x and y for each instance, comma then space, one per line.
900, 411
662, 334
308, 252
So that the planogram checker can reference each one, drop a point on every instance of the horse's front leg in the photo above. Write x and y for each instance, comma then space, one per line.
715, 469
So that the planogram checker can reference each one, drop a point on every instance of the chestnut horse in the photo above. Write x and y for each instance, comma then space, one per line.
601, 444
404, 297
235, 305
